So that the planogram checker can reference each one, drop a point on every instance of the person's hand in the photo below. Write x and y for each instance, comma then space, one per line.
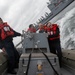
51, 32
3, 49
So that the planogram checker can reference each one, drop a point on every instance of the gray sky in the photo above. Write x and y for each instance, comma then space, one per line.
20, 13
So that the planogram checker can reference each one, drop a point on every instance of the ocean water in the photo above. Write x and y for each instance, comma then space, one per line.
67, 30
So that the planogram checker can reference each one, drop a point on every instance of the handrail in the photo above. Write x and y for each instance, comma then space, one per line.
19, 43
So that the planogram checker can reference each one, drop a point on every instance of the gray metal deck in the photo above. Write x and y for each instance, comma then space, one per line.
63, 72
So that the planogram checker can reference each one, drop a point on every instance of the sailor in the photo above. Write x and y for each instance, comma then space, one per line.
41, 28
6, 39
31, 29
54, 40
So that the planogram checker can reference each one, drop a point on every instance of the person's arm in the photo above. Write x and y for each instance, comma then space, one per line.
16, 34
1, 46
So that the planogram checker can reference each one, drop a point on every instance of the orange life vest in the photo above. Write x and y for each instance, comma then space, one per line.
5, 31
54, 28
55, 37
52, 31
47, 29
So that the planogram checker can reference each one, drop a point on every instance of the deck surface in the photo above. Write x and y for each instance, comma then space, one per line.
63, 72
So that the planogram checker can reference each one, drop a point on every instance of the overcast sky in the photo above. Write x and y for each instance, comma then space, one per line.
20, 13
